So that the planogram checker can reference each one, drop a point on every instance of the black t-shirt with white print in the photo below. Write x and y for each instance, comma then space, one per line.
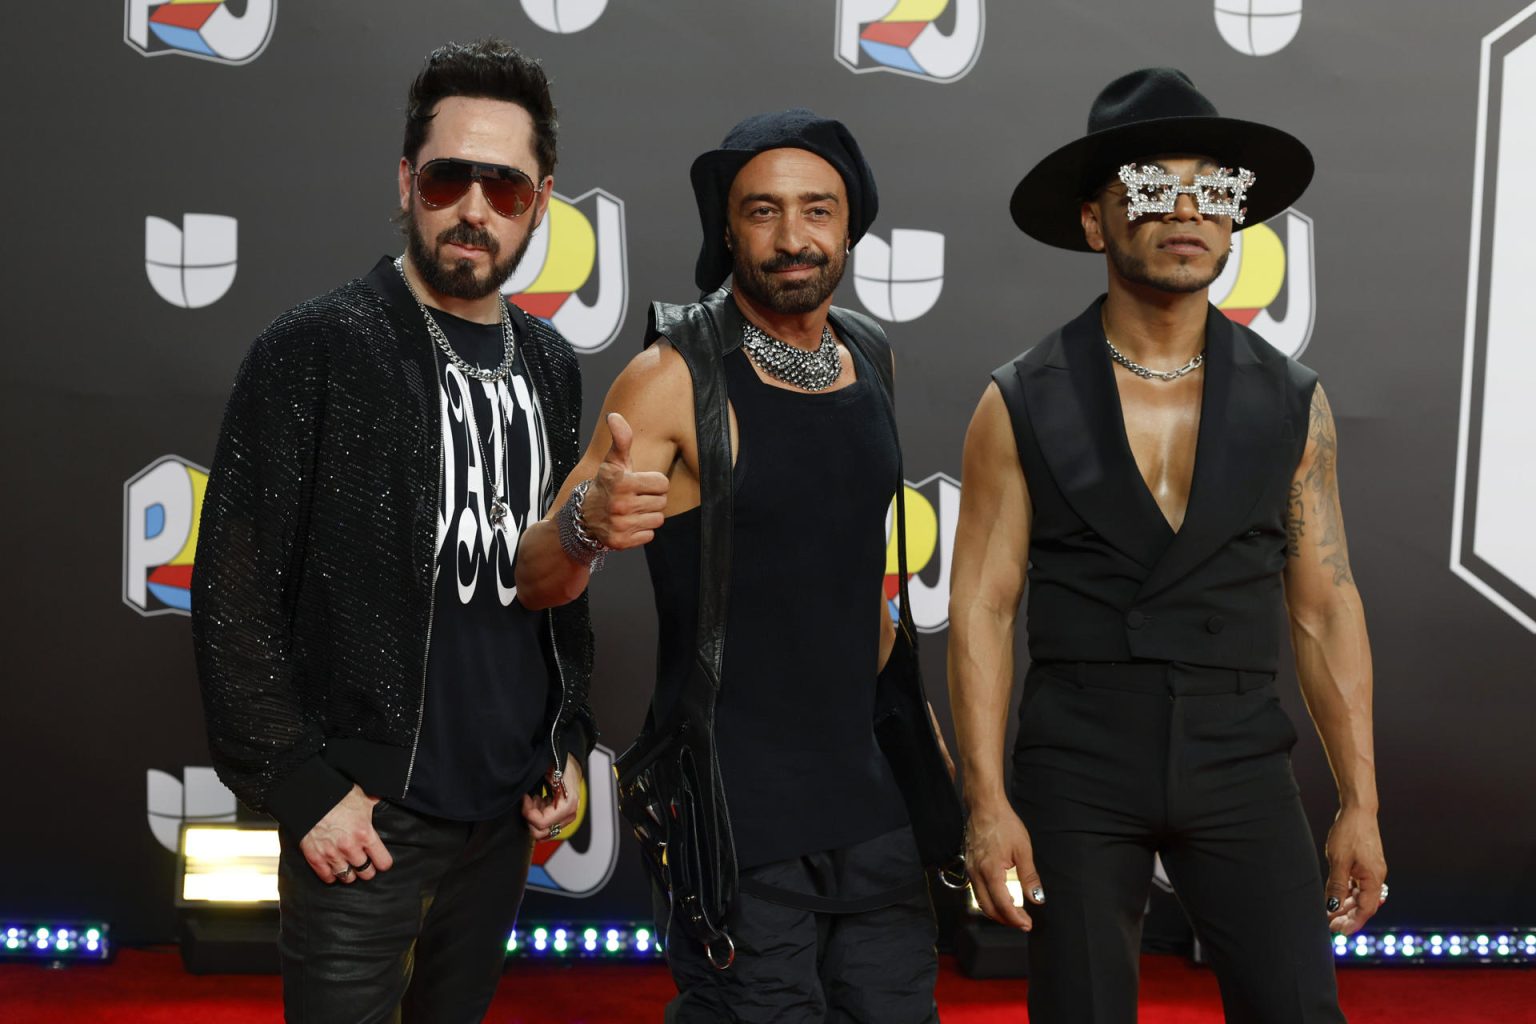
482, 743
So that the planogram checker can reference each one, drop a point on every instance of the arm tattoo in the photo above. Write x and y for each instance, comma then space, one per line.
1322, 482
1295, 521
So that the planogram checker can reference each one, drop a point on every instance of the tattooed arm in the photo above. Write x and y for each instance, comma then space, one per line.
1333, 662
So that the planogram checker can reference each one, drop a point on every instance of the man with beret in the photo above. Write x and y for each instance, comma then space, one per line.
1165, 481
832, 920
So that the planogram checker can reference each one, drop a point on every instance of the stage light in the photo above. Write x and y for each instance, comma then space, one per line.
1481, 948
226, 896
605, 941
228, 864
55, 941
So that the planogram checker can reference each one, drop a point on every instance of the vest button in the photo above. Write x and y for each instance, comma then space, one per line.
1135, 619
1215, 624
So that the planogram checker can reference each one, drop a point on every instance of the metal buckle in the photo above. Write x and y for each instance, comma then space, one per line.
709, 951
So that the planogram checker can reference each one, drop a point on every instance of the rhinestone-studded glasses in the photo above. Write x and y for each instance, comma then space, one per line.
1153, 189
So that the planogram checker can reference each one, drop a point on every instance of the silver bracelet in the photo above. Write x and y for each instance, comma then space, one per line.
579, 545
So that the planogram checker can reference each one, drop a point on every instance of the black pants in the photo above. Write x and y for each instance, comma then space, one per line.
425, 941
799, 965
1114, 763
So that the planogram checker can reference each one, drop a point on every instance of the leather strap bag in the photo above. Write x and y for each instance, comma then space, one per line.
669, 783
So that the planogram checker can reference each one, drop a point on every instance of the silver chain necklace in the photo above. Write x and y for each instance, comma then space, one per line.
811, 370
1147, 373
495, 482
508, 337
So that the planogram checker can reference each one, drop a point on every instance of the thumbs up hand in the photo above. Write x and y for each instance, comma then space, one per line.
623, 508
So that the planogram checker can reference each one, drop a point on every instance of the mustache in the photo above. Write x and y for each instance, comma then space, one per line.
788, 261
467, 234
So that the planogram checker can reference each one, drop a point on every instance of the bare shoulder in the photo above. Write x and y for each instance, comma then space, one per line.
1322, 434
990, 434
655, 382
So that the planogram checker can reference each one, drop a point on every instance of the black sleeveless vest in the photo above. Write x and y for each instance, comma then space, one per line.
1109, 579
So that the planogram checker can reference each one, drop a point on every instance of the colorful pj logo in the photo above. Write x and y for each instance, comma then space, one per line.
582, 860
938, 40
210, 31
162, 504
933, 510
1269, 285
1492, 546
575, 275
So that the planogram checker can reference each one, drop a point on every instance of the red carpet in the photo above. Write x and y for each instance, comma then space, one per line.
150, 987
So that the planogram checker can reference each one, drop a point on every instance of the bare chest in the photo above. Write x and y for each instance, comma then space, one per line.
1162, 427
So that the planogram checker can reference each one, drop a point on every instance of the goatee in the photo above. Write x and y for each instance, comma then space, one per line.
456, 278
1181, 281
760, 281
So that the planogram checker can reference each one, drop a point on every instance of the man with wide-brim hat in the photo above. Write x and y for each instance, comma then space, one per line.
1165, 480
758, 422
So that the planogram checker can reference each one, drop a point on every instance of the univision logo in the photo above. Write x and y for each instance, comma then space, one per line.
209, 31
197, 798
1258, 27
193, 265
901, 280
936, 40
564, 16
1269, 284
575, 272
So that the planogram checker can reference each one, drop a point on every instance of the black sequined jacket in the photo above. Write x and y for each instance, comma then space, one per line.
313, 588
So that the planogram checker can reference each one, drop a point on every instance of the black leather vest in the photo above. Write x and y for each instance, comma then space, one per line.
1109, 579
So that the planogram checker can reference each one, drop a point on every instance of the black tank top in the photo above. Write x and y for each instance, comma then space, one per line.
814, 477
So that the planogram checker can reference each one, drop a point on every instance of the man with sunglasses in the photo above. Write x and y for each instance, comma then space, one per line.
1165, 481
370, 677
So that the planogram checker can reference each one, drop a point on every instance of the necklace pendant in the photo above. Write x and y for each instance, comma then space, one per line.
498, 514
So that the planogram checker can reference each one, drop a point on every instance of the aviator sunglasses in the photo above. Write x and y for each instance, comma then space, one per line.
443, 182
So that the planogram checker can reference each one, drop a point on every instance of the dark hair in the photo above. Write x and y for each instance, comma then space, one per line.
485, 69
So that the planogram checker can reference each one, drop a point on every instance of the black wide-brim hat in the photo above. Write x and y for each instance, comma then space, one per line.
713, 172
1143, 114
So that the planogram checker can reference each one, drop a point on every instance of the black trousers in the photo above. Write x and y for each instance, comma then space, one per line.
799, 963
425, 941
1116, 763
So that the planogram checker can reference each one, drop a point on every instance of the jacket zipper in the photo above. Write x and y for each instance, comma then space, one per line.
554, 729
426, 652
554, 648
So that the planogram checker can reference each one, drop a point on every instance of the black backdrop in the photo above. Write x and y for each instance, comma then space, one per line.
128, 316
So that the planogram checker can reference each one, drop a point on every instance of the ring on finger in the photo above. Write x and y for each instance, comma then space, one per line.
345, 872
554, 831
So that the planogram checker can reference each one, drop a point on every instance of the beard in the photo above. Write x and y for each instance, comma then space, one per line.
1182, 280
760, 283
457, 278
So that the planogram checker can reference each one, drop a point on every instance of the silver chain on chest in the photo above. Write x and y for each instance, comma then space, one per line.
493, 474
508, 337
812, 370
1150, 374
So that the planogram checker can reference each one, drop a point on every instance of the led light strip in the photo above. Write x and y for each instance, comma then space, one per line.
70, 940
606, 942
1495, 946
